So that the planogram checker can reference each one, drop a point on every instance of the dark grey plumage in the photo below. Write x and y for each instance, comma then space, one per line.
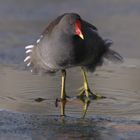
60, 48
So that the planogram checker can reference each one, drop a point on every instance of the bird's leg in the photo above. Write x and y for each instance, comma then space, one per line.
85, 91
85, 88
63, 93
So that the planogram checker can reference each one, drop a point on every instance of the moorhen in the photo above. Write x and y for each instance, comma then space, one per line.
69, 41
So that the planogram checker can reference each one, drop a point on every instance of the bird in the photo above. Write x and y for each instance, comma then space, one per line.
70, 41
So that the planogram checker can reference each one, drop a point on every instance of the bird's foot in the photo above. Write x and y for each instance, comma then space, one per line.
62, 104
86, 96
82, 94
58, 100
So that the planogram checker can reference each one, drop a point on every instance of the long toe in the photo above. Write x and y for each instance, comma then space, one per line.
93, 96
96, 96
81, 93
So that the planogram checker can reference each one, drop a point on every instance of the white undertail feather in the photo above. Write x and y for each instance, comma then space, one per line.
108, 41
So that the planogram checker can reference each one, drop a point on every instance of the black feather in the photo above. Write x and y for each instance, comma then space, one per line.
111, 54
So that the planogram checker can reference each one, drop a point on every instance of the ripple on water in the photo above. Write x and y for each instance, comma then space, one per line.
110, 118
21, 95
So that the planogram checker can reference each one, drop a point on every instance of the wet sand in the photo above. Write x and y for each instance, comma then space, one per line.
21, 117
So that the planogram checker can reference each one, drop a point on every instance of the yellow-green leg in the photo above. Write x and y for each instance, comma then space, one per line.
63, 93
85, 91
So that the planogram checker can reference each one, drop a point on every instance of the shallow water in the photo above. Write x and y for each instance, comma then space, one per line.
116, 117
21, 117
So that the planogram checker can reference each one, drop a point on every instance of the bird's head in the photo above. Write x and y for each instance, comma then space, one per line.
71, 24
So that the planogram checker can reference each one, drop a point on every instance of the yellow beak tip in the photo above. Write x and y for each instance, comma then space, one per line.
81, 36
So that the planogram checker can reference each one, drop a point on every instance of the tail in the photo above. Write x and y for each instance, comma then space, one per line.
111, 54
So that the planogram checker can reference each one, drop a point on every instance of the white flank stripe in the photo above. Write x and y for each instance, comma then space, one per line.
38, 41
27, 58
29, 47
28, 51
31, 70
28, 64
